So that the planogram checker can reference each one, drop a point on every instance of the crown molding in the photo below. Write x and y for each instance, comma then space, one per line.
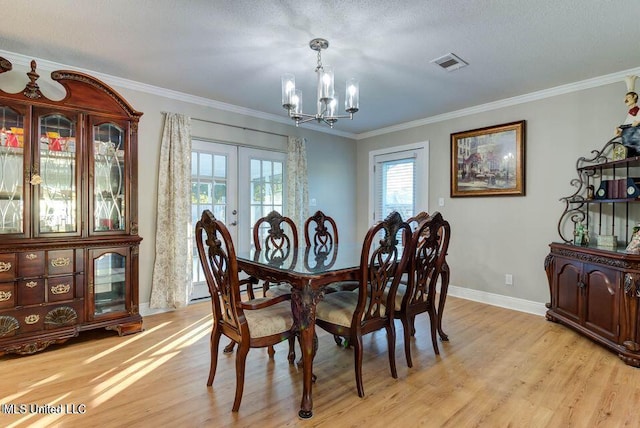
507, 102
46, 65
49, 66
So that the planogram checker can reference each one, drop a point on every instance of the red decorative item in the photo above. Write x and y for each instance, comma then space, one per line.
54, 144
12, 140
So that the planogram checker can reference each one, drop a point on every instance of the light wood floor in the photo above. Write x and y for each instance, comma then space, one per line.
501, 368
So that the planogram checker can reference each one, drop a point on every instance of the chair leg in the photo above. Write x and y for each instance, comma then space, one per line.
229, 348
433, 320
444, 287
292, 350
407, 324
391, 343
413, 325
241, 359
357, 355
214, 343
271, 351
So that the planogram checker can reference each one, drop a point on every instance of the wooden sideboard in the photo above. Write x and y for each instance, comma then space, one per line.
596, 292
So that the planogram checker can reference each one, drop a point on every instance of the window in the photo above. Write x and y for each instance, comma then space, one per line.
399, 181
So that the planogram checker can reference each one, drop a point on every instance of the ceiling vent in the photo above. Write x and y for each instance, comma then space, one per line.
450, 62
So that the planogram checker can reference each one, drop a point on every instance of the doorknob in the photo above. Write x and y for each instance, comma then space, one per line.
233, 223
234, 212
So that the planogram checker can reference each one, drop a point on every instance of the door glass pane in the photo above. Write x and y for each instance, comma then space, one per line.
109, 178
266, 189
11, 171
209, 184
57, 169
398, 188
109, 283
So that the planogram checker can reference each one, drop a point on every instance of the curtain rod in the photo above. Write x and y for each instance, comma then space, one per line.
240, 127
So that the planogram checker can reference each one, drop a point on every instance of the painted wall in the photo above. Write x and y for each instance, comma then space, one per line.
493, 236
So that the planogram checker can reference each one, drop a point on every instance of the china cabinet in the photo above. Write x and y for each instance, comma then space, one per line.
68, 212
595, 282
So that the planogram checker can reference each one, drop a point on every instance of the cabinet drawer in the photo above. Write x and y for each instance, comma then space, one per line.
60, 288
60, 261
31, 263
7, 295
31, 291
48, 317
7, 267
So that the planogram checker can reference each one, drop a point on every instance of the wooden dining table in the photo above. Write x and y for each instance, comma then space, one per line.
309, 270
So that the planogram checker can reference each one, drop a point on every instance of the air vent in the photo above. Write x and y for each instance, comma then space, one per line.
450, 62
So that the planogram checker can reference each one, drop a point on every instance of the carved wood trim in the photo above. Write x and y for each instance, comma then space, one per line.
62, 75
593, 258
5, 65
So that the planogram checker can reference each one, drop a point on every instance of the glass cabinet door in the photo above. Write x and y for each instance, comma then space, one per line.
109, 184
12, 165
57, 172
109, 282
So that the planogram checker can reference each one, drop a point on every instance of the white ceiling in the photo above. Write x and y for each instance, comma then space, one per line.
234, 51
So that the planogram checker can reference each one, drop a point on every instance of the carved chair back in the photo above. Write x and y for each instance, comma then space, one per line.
321, 239
430, 242
218, 260
321, 231
276, 235
381, 265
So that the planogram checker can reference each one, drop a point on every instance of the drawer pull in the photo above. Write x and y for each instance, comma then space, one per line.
60, 262
31, 284
5, 295
5, 266
31, 256
32, 319
61, 289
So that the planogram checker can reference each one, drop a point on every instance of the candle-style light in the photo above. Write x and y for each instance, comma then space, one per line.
327, 100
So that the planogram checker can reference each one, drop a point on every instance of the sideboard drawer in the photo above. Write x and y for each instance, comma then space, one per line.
31, 291
31, 264
60, 288
7, 295
7, 267
60, 261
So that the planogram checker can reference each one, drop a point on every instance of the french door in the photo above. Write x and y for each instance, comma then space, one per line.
239, 185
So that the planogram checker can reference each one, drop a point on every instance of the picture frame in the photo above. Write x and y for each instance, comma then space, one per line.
489, 161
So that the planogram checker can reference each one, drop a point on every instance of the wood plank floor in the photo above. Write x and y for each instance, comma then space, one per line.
501, 368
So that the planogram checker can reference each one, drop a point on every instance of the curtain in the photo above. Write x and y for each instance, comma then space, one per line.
172, 278
297, 184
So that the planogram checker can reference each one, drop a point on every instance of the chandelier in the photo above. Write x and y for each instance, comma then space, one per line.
327, 100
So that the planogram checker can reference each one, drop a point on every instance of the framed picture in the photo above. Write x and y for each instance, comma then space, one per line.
488, 161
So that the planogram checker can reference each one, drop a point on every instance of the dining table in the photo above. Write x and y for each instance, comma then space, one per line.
308, 270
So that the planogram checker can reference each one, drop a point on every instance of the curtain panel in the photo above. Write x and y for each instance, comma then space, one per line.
172, 277
297, 182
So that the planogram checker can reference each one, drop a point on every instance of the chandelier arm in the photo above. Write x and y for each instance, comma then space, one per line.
309, 118
346, 116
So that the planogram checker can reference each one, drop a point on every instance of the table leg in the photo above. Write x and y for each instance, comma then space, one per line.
303, 305
444, 286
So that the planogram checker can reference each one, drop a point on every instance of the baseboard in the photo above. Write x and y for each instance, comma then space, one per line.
145, 310
507, 302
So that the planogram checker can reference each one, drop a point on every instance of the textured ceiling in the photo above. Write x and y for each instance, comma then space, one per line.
235, 51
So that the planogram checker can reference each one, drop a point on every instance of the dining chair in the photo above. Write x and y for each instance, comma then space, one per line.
255, 323
354, 314
321, 236
277, 237
444, 234
429, 243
